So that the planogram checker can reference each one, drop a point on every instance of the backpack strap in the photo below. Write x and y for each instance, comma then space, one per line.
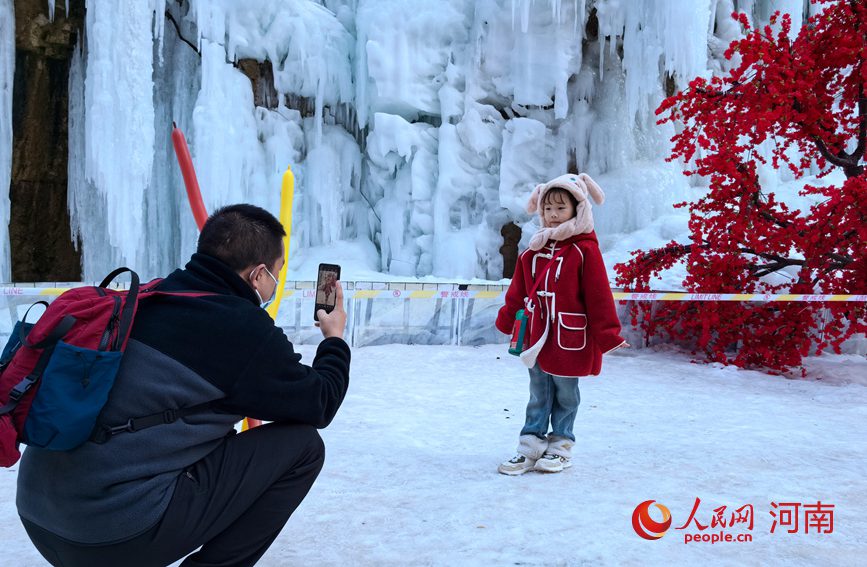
22, 387
129, 305
103, 432
51, 339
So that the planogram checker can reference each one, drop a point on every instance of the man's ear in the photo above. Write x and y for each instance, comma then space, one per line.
247, 273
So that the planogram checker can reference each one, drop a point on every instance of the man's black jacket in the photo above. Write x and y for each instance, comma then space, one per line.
183, 351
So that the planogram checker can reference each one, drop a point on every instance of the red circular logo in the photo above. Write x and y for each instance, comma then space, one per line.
647, 527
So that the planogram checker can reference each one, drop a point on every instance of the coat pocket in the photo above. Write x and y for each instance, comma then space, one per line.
571, 331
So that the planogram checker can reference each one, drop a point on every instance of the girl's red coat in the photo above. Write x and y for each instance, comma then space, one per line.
575, 296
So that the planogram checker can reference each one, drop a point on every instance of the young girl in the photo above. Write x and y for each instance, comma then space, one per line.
572, 319
328, 286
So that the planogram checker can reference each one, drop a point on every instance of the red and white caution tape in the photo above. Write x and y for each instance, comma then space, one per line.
304, 290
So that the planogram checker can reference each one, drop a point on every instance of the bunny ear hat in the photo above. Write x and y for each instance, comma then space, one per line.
582, 187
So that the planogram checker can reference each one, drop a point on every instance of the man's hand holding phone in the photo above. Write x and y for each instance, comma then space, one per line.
333, 324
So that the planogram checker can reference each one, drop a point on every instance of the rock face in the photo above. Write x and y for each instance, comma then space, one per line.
261, 75
511, 237
39, 222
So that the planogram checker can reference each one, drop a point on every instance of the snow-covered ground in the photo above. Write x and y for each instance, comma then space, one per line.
410, 477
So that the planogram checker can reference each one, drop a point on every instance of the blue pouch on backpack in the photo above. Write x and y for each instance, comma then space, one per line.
75, 387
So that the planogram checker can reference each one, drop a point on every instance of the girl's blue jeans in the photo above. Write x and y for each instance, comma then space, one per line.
553, 399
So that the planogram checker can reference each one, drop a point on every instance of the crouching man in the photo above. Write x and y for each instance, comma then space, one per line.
155, 495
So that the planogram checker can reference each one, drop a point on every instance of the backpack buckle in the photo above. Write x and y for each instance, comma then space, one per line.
105, 432
20, 389
128, 426
15, 394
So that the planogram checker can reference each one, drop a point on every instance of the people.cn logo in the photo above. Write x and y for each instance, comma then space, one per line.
647, 527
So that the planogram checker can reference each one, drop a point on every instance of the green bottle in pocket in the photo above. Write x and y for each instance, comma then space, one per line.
520, 333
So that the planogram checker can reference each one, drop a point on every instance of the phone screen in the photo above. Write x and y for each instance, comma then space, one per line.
326, 288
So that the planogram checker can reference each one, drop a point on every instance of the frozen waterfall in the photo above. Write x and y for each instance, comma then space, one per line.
415, 129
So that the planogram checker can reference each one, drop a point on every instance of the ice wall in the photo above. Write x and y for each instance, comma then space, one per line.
112, 133
415, 129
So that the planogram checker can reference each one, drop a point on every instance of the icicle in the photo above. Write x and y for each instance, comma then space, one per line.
159, 27
611, 15
7, 75
514, 12
318, 109
119, 120
210, 18
525, 15
683, 34
712, 19
601, 57
80, 211
50, 10
580, 10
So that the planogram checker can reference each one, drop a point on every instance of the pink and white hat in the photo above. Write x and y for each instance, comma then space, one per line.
582, 187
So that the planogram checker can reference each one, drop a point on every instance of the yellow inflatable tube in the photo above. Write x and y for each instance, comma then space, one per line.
287, 195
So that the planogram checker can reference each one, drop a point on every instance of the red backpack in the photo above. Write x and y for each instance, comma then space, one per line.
56, 375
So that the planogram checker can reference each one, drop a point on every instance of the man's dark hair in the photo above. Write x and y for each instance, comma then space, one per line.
242, 236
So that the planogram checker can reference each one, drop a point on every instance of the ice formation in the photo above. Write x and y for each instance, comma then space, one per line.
415, 129
7, 75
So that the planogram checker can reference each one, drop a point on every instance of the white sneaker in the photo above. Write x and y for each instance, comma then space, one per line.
519, 464
552, 463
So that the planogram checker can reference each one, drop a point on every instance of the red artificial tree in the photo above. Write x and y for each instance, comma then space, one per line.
808, 96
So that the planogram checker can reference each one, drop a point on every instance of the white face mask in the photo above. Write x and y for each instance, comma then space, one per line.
265, 304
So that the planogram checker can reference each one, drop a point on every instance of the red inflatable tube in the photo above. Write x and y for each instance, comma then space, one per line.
189, 173
195, 197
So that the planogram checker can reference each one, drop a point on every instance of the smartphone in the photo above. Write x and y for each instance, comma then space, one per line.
326, 289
